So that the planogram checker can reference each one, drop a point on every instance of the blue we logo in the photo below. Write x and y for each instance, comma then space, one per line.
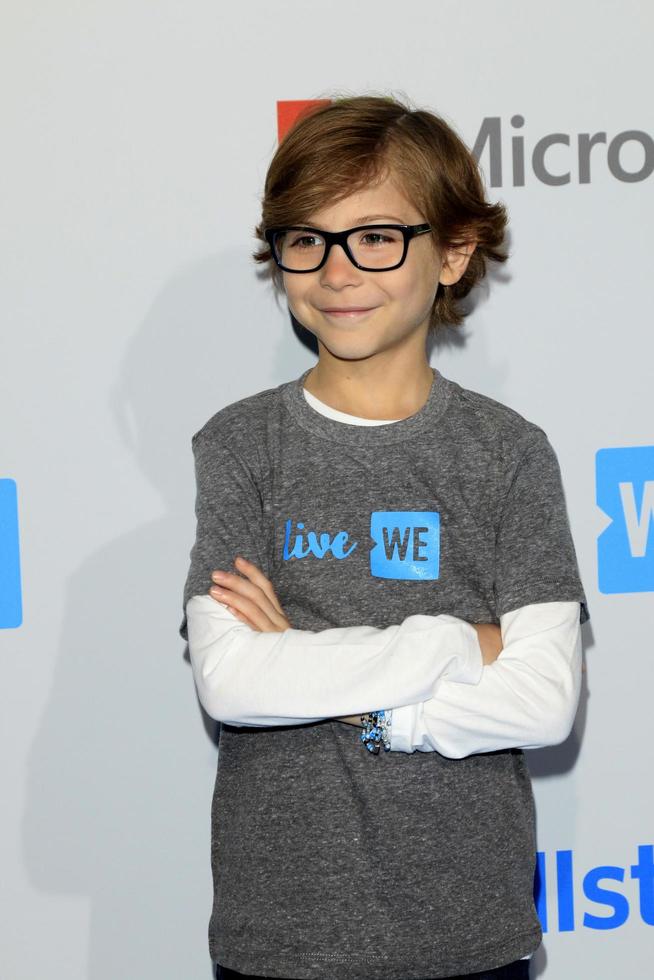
11, 612
625, 492
407, 544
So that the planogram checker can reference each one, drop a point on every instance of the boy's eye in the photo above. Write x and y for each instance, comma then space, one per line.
304, 241
375, 238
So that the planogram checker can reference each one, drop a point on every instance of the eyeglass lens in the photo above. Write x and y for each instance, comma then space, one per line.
372, 248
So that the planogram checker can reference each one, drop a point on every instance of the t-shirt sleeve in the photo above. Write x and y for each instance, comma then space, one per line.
535, 558
229, 514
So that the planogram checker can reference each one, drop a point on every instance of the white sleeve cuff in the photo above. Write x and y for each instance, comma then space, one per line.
402, 727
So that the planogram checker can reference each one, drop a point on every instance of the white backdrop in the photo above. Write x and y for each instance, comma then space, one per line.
136, 140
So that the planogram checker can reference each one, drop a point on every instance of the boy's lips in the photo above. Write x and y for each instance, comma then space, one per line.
348, 310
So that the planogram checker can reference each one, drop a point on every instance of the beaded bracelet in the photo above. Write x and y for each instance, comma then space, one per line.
376, 729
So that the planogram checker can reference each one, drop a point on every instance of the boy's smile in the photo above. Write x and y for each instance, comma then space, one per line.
350, 313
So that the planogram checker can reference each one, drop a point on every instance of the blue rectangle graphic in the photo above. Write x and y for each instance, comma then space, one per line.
407, 544
11, 607
625, 492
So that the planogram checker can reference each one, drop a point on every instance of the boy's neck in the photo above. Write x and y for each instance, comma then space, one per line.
371, 393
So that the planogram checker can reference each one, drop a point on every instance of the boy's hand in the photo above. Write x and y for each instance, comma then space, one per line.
252, 599
490, 641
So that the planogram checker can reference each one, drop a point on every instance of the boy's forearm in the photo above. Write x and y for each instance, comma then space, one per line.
527, 699
490, 641
245, 677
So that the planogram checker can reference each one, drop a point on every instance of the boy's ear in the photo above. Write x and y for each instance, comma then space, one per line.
455, 262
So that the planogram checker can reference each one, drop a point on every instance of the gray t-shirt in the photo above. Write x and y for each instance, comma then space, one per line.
330, 861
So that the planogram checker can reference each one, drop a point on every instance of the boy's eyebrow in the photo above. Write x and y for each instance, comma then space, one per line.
373, 217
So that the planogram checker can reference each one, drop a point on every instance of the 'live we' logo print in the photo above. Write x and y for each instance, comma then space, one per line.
407, 544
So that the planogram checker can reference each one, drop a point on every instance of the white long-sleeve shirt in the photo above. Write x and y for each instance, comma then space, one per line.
428, 670
248, 677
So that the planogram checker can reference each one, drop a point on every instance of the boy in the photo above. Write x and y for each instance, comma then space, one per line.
396, 520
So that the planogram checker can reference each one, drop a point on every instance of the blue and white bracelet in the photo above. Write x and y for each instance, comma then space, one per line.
376, 730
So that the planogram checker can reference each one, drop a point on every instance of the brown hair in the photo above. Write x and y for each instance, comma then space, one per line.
350, 143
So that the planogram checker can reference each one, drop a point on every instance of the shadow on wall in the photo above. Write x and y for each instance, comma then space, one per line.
120, 776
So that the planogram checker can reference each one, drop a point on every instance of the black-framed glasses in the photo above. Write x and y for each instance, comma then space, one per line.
371, 248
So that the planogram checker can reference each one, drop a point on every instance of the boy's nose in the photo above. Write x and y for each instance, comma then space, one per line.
338, 267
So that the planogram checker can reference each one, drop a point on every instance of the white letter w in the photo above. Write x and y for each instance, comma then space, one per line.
637, 524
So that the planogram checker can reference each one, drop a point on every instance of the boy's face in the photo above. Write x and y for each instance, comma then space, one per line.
397, 302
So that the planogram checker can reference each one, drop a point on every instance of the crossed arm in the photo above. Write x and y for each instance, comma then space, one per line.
454, 687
